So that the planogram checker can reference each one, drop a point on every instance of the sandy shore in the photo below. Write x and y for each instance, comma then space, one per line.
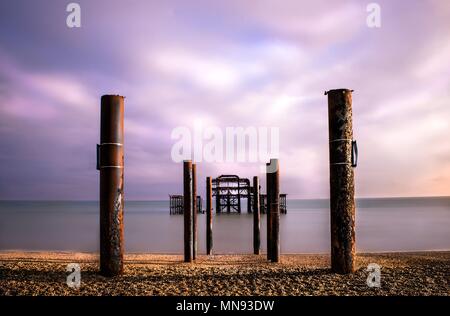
44, 273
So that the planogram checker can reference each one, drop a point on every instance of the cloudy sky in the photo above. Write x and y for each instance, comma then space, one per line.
224, 63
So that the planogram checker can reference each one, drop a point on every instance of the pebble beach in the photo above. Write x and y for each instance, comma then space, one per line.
44, 273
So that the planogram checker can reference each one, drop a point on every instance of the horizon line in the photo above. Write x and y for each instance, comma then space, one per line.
154, 200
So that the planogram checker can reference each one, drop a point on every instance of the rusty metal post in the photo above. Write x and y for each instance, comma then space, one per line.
187, 196
268, 214
239, 197
194, 211
342, 186
218, 198
249, 198
209, 238
256, 217
274, 209
110, 162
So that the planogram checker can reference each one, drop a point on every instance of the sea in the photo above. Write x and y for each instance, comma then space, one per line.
382, 225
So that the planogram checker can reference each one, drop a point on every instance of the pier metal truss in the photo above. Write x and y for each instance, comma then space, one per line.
228, 191
177, 204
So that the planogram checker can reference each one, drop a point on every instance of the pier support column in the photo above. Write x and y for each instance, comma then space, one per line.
209, 237
342, 187
239, 197
194, 211
218, 199
273, 196
256, 218
249, 198
268, 214
110, 163
187, 212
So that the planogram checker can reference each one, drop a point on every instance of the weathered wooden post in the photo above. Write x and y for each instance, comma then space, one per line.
274, 209
111, 164
239, 197
256, 217
209, 238
249, 198
342, 187
218, 198
194, 211
187, 196
268, 215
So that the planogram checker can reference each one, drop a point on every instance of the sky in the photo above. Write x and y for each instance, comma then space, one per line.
226, 64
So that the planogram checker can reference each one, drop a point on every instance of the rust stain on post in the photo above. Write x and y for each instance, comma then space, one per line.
194, 211
209, 237
342, 187
110, 162
256, 218
188, 204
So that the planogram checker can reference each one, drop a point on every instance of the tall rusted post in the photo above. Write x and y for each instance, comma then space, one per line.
249, 198
274, 209
268, 214
342, 187
194, 211
256, 217
218, 199
209, 238
110, 162
239, 196
187, 196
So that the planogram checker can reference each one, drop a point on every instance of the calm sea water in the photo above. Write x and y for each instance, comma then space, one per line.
399, 224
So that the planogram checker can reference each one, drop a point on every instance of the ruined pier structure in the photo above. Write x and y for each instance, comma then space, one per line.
342, 157
176, 204
228, 191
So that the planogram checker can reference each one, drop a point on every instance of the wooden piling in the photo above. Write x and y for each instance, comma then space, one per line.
194, 211
239, 197
110, 163
342, 187
256, 217
274, 209
249, 198
268, 213
209, 237
188, 205
218, 204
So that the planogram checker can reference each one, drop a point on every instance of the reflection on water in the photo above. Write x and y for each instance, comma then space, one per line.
382, 225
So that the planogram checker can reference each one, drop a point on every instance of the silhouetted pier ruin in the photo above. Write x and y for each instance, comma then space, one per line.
176, 204
283, 203
228, 191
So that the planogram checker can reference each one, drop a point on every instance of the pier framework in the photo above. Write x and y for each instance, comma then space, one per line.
176, 204
228, 191
263, 203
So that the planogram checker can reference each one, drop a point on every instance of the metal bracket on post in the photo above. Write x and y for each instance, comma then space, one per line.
99, 166
354, 154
